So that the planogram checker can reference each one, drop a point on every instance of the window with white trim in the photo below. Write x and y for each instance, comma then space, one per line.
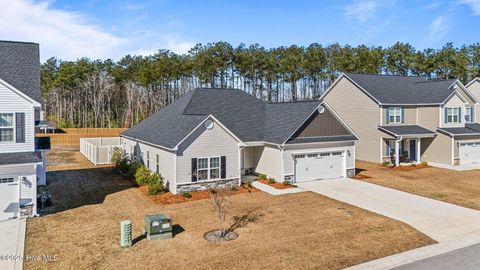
7, 180
158, 163
468, 115
6, 127
452, 115
208, 168
395, 115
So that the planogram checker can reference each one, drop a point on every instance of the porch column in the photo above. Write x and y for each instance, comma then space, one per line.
418, 150
397, 152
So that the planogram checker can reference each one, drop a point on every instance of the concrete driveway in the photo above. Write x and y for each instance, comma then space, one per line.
12, 242
439, 220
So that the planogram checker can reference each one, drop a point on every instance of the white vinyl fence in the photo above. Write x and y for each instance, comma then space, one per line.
99, 150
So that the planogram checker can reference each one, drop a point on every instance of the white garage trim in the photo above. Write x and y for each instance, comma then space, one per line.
469, 151
330, 152
8, 184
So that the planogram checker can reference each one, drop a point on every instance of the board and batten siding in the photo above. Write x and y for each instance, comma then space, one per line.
267, 161
409, 114
361, 114
291, 150
203, 143
321, 124
166, 159
11, 102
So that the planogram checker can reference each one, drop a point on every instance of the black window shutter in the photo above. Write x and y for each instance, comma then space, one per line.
194, 170
223, 169
20, 127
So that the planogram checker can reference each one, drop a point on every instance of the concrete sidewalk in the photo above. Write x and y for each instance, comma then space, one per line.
273, 191
464, 167
439, 220
12, 243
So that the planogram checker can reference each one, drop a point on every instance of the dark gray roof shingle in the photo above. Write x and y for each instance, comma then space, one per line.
322, 139
20, 67
388, 89
249, 118
460, 130
405, 130
20, 158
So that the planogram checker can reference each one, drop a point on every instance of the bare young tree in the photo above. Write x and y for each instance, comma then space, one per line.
220, 197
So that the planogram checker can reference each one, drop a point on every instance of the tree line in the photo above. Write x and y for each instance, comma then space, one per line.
104, 93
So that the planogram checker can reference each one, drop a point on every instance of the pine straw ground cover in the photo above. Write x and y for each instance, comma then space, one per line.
457, 187
276, 184
294, 231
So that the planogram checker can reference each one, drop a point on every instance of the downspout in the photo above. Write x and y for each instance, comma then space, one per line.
282, 164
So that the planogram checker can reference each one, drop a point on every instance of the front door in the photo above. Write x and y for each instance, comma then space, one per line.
413, 150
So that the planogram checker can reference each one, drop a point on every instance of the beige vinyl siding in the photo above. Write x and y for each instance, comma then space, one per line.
474, 88
166, 159
268, 161
410, 115
438, 149
464, 94
203, 143
429, 117
454, 101
361, 114
11, 102
291, 150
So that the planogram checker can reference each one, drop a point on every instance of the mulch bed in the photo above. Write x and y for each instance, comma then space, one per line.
214, 236
360, 176
276, 184
169, 198
408, 168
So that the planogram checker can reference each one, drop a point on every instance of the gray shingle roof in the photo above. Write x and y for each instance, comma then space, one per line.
404, 130
249, 118
388, 89
20, 158
469, 129
20, 67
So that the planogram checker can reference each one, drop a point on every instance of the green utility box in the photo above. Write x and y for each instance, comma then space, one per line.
126, 233
158, 226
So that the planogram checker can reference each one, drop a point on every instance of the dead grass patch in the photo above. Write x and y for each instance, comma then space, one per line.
457, 187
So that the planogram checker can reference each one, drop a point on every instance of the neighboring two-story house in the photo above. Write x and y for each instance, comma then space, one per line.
408, 119
22, 165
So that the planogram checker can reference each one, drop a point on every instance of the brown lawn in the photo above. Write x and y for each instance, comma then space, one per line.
462, 188
295, 231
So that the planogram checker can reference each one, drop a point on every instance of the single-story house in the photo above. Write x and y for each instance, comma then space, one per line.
219, 135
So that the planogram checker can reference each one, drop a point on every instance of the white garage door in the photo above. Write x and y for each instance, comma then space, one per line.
9, 201
318, 166
469, 152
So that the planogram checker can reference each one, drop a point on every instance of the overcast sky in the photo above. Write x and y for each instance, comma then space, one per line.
103, 29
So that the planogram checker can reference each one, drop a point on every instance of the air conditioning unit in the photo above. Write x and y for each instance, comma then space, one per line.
158, 226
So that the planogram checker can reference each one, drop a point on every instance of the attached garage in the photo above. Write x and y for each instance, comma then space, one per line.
319, 166
9, 192
469, 152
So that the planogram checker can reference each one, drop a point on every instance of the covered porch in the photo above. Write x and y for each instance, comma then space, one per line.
404, 144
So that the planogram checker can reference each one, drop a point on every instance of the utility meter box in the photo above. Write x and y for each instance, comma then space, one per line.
158, 226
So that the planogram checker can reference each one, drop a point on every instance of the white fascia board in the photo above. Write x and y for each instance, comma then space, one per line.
20, 93
147, 143
465, 89
472, 81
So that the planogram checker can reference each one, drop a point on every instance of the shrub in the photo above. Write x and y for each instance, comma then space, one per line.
249, 184
133, 167
285, 182
142, 175
424, 163
123, 165
155, 184
117, 156
262, 176
186, 194
271, 180
385, 164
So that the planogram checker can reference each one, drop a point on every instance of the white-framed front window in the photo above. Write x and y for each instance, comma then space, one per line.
468, 115
208, 168
452, 115
395, 115
6, 127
